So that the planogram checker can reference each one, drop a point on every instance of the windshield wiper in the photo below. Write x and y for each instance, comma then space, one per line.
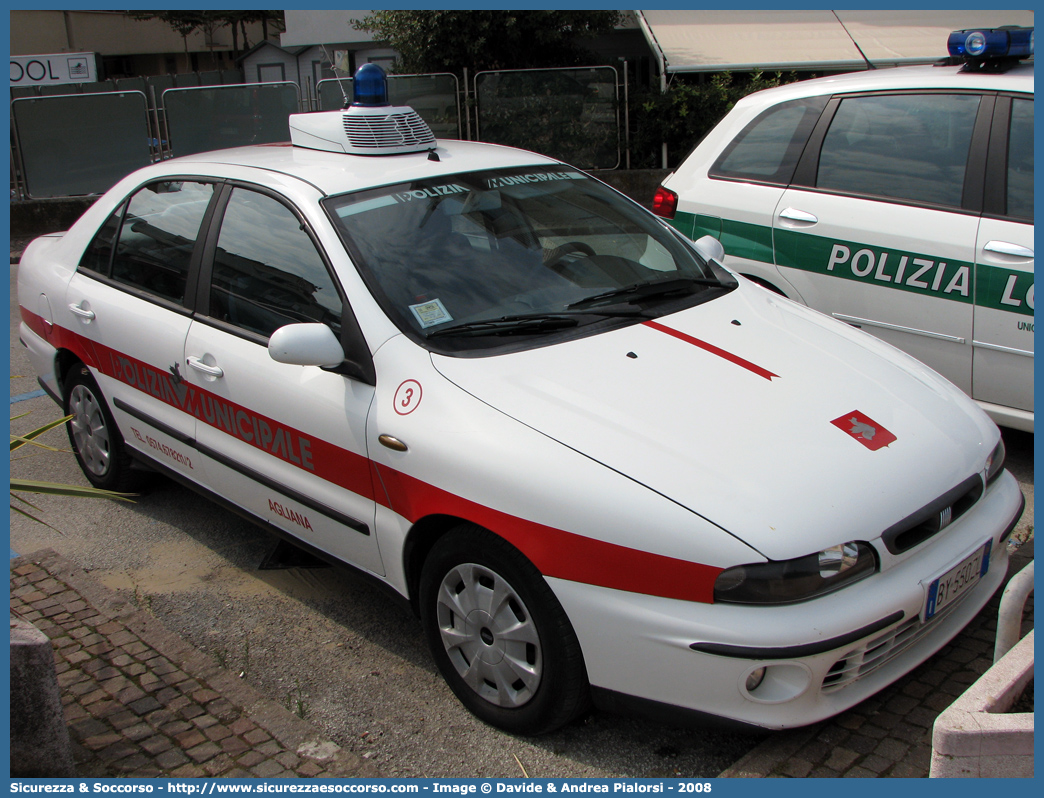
525, 323
638, 292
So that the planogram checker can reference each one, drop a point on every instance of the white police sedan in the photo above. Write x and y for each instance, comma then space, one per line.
898, 200
600, 465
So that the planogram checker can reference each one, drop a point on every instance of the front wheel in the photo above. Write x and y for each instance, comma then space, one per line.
499, 636
94, 436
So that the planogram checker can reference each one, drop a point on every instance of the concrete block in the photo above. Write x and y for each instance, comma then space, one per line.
976, 736
40, 744
40, 216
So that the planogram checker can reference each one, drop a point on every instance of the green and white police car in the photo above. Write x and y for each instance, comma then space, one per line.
897, 200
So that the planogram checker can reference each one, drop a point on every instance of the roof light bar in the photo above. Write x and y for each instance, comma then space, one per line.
991, 43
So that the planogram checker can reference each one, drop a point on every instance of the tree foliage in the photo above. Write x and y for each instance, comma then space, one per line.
683, 115
185, 23
449, 41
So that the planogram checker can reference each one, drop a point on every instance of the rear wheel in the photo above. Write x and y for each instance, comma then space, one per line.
94, 436
499, 636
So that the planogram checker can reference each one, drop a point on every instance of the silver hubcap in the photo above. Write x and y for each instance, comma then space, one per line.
90, 434
489, 635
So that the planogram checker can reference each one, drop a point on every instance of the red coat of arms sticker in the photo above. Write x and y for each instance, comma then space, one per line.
864, 429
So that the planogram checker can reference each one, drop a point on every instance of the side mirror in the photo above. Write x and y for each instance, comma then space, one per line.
306, 345
710, 248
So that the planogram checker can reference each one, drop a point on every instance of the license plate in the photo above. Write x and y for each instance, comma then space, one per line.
958, 580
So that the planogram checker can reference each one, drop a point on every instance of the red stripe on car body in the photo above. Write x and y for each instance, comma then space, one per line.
555, 552
714, 350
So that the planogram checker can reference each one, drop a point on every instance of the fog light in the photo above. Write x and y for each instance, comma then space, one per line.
754, 678
776, 683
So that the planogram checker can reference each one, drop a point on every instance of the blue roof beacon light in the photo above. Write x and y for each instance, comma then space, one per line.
991, 48
370, 87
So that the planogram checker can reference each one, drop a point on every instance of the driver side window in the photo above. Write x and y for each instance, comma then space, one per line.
267, 272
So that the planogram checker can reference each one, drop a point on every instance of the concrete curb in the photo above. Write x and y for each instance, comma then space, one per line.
290, 733
977, 737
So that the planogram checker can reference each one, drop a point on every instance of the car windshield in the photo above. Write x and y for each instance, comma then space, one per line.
466, 260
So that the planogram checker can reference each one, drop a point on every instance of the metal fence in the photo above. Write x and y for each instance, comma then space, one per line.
161, 82
214, 117
569, 114
79, 143
84, 140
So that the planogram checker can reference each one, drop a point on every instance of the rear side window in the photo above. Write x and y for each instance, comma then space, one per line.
98, 257
1020, 160
909, 147
768, 148
157, 236
267, 272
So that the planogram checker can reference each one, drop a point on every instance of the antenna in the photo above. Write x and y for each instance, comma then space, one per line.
333, 68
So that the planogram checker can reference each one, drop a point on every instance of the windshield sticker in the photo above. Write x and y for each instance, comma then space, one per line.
364, 205
428, 314
535, 177
429, 192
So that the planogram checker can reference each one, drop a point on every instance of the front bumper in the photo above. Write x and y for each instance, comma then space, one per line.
818, 664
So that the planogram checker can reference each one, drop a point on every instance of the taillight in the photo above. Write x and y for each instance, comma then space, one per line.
665, 203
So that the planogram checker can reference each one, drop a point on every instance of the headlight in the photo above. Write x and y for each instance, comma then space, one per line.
803, 578
995, 462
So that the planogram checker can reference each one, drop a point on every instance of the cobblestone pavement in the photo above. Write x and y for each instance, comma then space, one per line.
890, 734
140, 702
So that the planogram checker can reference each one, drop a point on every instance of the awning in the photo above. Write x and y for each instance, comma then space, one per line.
715, 41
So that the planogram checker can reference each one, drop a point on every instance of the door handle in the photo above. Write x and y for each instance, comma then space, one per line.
210, 371
83, 313
794, 215
1007, 248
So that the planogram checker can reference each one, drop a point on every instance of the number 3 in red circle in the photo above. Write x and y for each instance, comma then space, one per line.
407, 397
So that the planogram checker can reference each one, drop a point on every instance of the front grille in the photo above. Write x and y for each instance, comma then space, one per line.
934, 517
876, 652
393, 130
